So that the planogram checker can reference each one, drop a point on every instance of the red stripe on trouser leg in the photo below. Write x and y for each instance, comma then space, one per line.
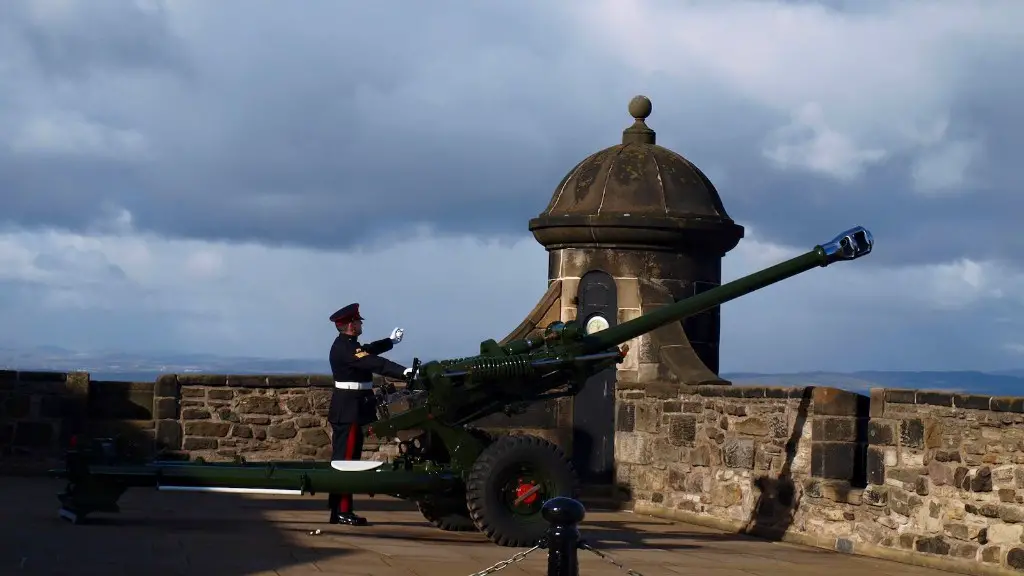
345, 502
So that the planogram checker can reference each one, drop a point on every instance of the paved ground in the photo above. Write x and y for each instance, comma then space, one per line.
161, 534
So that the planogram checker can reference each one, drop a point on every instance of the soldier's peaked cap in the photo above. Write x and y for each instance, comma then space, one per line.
347, 314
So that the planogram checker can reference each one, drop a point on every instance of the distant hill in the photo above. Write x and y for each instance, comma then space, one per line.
1006, 383
144, 367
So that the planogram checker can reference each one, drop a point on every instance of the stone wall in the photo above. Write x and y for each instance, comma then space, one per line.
40, 411
258, 418
224, 417
188, 416
926, 478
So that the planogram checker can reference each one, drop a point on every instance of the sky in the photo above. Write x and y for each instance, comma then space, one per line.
219, 177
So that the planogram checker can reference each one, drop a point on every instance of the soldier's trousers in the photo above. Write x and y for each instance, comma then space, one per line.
347, 444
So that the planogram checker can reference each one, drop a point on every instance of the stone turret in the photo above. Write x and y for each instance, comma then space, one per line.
640, 222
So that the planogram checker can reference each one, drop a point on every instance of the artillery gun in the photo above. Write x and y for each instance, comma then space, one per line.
460, 478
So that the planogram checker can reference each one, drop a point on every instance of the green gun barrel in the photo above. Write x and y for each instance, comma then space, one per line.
276, 477
849, 245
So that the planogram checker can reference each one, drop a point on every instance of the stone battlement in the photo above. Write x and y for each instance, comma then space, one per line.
928, 478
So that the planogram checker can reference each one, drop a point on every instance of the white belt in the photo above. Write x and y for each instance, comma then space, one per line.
354, 385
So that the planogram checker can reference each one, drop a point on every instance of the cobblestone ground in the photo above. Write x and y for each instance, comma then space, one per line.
161, 534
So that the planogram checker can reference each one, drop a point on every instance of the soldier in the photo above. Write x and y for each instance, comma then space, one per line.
353, 404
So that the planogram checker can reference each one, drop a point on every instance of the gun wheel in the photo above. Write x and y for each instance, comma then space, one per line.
509, 484
449, 513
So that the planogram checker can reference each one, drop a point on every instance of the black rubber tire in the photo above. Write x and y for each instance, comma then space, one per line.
486, 488
449, 513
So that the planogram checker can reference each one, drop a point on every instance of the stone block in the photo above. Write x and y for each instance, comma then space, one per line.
982, 480
1007, 404
834, 429
627, 292
207, 429
276, 381
726, 494
835, 402
682, 428
33, 434
906, 475
195, 414
897, 396
194, 443
753, 426
165, 408
17, 406
40, 376
932, 545
876, 407
912, 433
946, 456
992, 554
875, 465
282, 431
932, 398
648, 418
220, 394
999, 533
320, 381
692, 407
738, 453
940, 474
1011, 514
971, 401
259, 405
193, 392
835, 460
881, 432
315, 437
49, 407
168, 434
248, 381
225, 414
705, 455
166, 386
876, 495
966, 550
201, 380
961, 478
626, 417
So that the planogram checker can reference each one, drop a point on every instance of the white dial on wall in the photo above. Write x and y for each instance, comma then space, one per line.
596, 323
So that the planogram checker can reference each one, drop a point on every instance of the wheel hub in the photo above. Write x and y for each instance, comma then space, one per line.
526, 492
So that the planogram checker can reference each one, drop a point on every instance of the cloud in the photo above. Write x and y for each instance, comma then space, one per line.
141, 293
287, 128
174, 176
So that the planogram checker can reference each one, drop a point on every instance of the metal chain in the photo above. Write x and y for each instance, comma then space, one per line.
506, 563
608, 559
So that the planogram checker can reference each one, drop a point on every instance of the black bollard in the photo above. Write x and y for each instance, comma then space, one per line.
564, 515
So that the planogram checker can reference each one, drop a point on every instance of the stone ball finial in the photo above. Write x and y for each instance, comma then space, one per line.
639, 133
640, 107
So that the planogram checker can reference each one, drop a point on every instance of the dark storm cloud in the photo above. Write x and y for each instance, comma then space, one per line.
332, 123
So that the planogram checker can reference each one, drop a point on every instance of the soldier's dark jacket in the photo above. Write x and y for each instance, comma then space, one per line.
355, 362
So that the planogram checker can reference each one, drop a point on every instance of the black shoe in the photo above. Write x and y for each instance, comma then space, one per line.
348, 518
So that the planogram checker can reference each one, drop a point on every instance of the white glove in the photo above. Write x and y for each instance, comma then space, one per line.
407, 372
396, 335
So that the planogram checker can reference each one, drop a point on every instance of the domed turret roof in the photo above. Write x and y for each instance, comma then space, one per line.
637, 195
